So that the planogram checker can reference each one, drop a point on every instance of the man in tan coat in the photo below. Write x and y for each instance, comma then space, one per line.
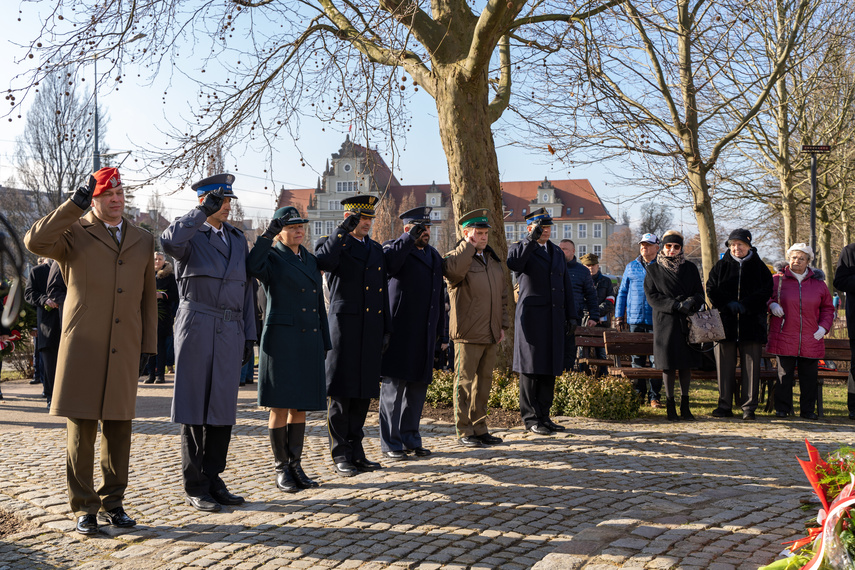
478, 294
109, 318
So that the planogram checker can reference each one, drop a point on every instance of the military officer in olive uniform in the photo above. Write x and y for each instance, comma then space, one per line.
545, 313
360, 328
418, 314
214, 333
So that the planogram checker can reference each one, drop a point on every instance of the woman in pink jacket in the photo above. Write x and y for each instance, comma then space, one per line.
802, 313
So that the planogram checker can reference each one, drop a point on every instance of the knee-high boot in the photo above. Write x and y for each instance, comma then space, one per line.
296, 434
671, 408
685, 412
279, 444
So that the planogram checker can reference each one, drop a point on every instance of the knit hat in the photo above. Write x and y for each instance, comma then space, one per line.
740, 234
804, 248
106, 178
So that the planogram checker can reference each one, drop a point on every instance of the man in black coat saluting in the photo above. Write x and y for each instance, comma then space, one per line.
360, 329
546, 312
415, 295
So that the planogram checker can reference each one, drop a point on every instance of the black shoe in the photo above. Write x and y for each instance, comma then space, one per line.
365, 465
488, 439
470, 441
117, 517
397, 455
421, 452
285, 480
149, 381
204, 503
722, 413
160, 381
780, 414
809, 416
749, 416
34, 381
553, 426
346, 469
540, 429
300, 478
87, 524
223, 497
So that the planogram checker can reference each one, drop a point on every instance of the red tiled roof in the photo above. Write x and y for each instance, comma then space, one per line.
300, 198
574, 194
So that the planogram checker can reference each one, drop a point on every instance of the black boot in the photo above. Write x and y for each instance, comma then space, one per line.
671, 408
296, 433
279, 444
685, 412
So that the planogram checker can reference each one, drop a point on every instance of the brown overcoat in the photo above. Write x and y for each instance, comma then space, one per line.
109, 315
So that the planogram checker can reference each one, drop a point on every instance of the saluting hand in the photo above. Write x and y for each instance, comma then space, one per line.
275, 226
213, 202
536, 231
349, 224
417, 230
82, 197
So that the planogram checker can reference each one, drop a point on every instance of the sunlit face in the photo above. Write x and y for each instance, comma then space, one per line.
799, 261
477, 237
569, 250
293, 234
424, 239
364, 226
159, 260
672, 249
109, 205
739, 248
544, 237
648, 250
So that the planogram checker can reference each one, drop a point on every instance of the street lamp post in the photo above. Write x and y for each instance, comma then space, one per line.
814, 149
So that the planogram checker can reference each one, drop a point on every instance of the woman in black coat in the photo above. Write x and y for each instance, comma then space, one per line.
167, 303
294, 341
674, 290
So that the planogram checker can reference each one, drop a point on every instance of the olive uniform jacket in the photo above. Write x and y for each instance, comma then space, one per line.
109, 315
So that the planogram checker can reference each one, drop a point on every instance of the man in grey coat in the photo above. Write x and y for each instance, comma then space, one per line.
214, 335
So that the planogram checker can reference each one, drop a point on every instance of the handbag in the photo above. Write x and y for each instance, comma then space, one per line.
705, 326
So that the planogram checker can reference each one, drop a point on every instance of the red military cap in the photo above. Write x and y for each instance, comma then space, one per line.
106, 178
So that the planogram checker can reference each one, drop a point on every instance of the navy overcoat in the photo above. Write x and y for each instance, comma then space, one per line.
296, 334
417, 308
215, 317
545, 304
358, 313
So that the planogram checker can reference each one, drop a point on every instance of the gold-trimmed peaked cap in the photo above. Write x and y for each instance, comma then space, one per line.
539, 215
362, 204
214, 182
475, 219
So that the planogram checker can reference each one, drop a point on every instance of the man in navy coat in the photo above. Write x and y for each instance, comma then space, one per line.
418, 313
214, 335
360, 329
546, 312
47, 319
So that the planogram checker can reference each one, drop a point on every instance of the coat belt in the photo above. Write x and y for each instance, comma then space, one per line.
225, 314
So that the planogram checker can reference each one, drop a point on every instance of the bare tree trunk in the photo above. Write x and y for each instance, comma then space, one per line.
789, 211
823, 238
704, 217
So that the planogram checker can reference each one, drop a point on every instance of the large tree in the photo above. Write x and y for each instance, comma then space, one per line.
54, 154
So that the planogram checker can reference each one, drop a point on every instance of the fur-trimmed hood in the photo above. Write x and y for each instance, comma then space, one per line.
165, 271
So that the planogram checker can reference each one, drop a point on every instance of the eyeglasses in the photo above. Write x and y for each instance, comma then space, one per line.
673, 246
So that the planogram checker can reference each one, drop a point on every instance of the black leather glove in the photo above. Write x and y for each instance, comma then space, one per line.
82, 197
276, 225
248, 352
686, 306
417, 230
212, 203
736, 307
387, 338
349, 224
570, 327
536, 232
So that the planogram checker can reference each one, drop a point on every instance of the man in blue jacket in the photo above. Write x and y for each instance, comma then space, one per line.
633, 309
418, 312
584, 297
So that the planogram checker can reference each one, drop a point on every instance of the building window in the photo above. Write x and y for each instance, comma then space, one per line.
581, 210
509, 232
318, 229
436, 215
598, 250
335, 205
522, 230
598, 230
544, 199
549, 211
582, 231
347, 186
433, 200
330, 224
568, 231
581, 250
347, 167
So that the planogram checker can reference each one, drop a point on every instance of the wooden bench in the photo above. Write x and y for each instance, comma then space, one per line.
588, 338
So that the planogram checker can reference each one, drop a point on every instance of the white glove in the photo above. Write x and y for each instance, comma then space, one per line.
776, 309
820, 332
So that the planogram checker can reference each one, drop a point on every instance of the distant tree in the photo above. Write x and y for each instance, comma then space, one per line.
621, 250
383, 227
54, 155
656, 218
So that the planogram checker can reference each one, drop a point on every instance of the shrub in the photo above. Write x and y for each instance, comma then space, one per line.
440, 391
609, 398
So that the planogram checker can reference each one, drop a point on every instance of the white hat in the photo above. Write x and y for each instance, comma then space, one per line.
803, 247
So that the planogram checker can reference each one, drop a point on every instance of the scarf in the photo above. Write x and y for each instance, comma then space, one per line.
670, 263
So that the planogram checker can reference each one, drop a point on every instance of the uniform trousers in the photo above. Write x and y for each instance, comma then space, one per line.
473, 378
808, 372
115, 461
401, 405
48, 357
346, 418
204, 449
749, 361
536, 394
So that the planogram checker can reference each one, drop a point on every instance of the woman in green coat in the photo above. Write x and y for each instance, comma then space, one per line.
294, 341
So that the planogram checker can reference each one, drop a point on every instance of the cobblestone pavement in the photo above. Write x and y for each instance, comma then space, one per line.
712, 494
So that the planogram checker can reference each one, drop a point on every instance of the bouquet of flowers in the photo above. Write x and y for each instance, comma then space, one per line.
7, 346
830, 546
